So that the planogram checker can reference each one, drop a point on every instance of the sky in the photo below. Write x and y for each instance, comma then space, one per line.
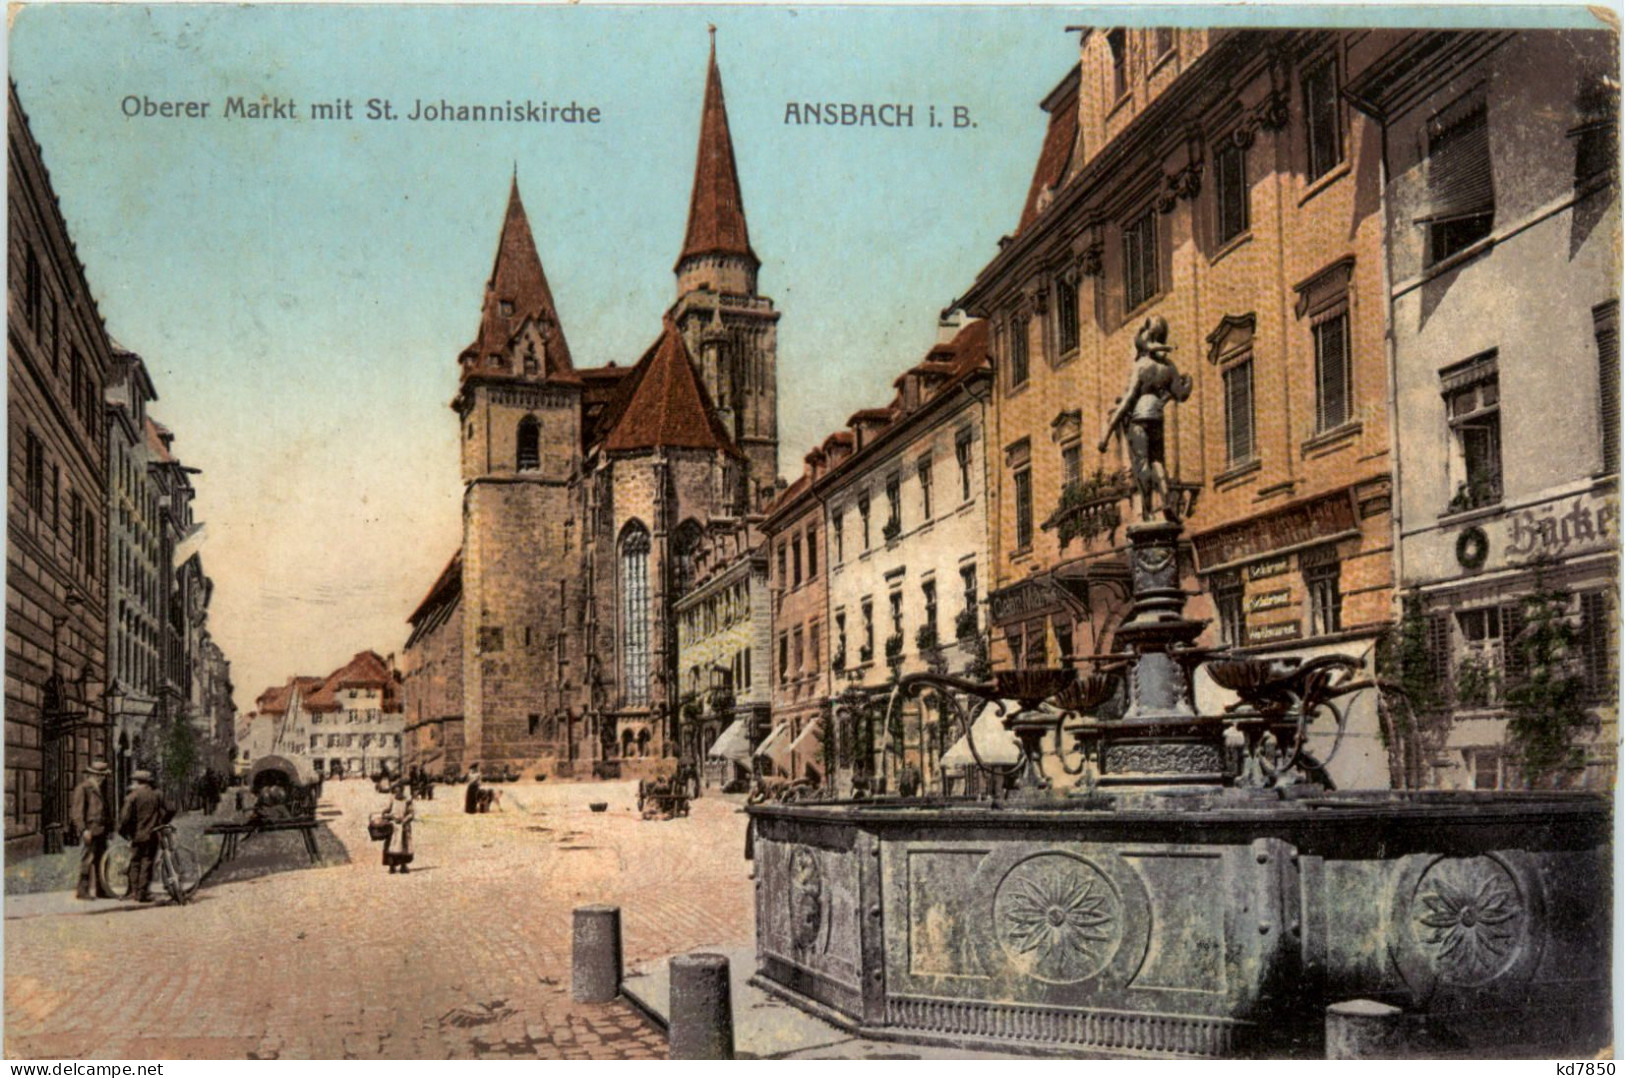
300, 288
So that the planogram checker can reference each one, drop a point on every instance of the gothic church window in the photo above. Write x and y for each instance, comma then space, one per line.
635, 615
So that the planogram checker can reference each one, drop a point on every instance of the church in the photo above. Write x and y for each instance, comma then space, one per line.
548, 643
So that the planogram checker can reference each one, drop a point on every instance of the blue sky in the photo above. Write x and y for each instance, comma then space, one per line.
301, 289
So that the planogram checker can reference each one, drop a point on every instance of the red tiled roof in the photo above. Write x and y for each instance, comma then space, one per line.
517, 279
366, 670
275, 700
1056, 154
716, 210
155, 433
450, 577
664, 404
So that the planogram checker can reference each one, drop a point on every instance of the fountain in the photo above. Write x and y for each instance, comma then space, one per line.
1200, 890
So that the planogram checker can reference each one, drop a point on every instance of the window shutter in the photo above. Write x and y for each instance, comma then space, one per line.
1238, 384
1331, 349
1513, 661
1438, 649
1606, 319
1459, 165
1594, 649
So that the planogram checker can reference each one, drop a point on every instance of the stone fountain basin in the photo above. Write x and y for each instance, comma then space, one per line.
1209, 925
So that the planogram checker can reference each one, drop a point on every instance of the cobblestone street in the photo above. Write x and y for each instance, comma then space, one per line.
468, 956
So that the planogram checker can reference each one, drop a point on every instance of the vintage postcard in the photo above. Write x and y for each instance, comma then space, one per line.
575, 532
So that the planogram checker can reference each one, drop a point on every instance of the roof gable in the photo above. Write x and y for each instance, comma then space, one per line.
663, 404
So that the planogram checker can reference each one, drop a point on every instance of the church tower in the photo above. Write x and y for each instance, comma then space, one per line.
729, 330
519, 410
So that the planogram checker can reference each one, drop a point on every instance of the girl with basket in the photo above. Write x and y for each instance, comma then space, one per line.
397, 816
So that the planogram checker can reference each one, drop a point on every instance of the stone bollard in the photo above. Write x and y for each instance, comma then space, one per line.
1365, 1029
595, 960
701, 1023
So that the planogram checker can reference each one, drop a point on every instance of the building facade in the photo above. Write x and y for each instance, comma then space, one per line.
588, 493
908, 549
796, 548
58, 359
432, 678
1219, 180
723, 628
1502, 216
349, 724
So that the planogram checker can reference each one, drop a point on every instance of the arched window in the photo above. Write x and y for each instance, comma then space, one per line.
685, 550
530, 455
635, 615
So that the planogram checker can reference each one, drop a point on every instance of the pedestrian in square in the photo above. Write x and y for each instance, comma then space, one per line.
399, 812
91, 815
145, 811
471, 795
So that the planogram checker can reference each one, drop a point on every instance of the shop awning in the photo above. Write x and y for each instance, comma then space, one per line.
733, 743
776, 747
994, 743
808, 748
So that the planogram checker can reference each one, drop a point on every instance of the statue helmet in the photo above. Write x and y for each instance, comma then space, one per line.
1153, 337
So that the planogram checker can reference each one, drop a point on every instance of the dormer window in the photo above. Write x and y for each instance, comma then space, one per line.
1117, 42
506, 307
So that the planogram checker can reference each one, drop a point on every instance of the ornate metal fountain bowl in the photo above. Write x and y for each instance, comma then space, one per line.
1031, 687
1248, 677
1086, 693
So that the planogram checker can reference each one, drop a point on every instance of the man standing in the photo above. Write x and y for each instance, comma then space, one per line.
144, 812
91, 815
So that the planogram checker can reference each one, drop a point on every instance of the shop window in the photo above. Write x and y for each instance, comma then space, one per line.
1227, 602
1461, 197
1472, 396
1322, 119
1321, 581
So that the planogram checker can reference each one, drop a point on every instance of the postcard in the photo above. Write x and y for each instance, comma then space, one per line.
684, 532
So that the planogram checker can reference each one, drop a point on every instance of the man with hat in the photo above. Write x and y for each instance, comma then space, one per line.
91, 814
144, 812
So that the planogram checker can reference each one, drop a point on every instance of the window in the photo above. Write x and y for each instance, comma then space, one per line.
795, 561
1605, 321
925, 489
812, 552
1320, 578
635, 616
840, 536
1239, 443
1035, 653
1019, 328
812, 647
1480, 657
1072, 464
1472, 405
840, 641
1226, 592
896, 600
1024, 509
967, 580
75, 533
1063, 640
863, 514
1333, 405
1230, 191
867, 652
1162, 41
33, 289
1593, 648
34, 474
799, 649
962, 455
928, 592
1117, 42
1066, 313
89, 546
529, 439
1140, 259
1461, 197
1323, 129
784, 658
894, 503
533, 724
784, 572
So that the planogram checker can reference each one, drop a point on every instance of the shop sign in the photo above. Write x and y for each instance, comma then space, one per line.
1320, 518
1570, 526
1268, 600
1278, 630
1258, 570
1018, 602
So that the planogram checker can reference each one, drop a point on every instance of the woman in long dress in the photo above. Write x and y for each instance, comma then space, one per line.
398, 847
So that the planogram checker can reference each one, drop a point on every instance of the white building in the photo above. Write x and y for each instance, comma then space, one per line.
907, 535
348, 724
1502, 219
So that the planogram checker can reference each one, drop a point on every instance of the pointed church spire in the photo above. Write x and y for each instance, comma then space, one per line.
516, 291
716, 210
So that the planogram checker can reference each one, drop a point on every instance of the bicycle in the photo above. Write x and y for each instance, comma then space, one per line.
176, 868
